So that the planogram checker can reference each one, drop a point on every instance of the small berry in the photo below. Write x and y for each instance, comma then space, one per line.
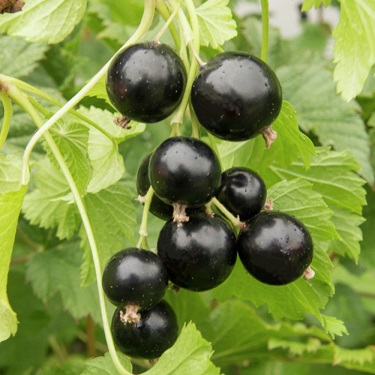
275, 247
242, 191
184, 170
236, 96
146, 81
149, 338
199, 254
135, 277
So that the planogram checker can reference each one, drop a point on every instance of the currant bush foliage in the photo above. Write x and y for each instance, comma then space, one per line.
320, 169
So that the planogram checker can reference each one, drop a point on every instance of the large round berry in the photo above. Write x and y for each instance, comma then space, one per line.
156, 331
146, 81
275, 247
184, 170
199, 254
242, 192
135, 277
236, 95
159, 208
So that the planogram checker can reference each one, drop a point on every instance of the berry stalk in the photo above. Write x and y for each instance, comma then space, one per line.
265, 30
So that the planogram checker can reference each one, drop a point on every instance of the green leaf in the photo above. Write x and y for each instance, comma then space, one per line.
69, 366
189, 355
239, 334
311, 90
296, 299
348, 225
216, 25
106, 162
295, 347
48, 21
11, 198
112, 217
308, 4
99, 90
47, 205
354, 50
289, 146
72, 140
57, 271
354, 356
334, 326
105, 366
18, 57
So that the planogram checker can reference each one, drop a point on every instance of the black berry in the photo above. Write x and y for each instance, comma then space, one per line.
199, 254
242, 192
236, 96
184, 170
135, 277
275, 247
146, 81
149, 338
159, 208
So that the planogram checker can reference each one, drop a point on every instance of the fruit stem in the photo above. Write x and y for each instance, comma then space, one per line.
163, 10
8, 114
146, 200
194, 123
196, 55
179, 115
236, 222
166, 24
265, 30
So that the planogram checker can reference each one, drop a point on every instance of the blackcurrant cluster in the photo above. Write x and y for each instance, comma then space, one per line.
235, 97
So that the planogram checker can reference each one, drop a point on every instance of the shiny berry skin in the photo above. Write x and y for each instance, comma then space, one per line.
275, 247
135, 277
242, 192
184, 170
156, 331
146, 81
199, 254
159, 208
236, 95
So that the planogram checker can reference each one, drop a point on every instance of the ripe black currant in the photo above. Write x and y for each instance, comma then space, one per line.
242, 192
199, 254
275, 247
236, 96
135, 277
146, 81
184, 170
159, 208
149, 338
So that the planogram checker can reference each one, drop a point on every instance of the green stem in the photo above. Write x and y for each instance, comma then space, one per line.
8, 114
24, 103
236, 222
168, 23
179, 115
33, 90
194, 124
162, 9
265, 30
146, 209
